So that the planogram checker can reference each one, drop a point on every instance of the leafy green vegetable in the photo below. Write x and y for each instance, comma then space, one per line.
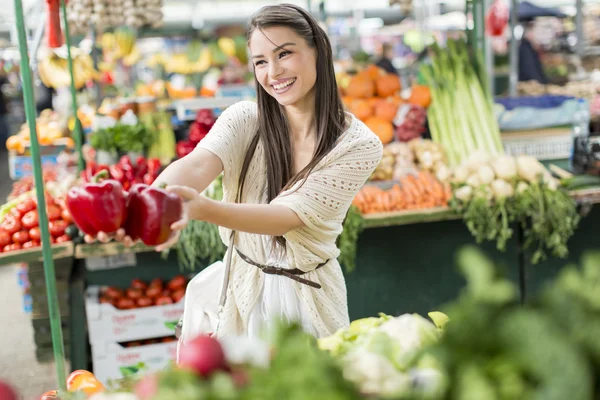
299, 371
493, 348
347, 241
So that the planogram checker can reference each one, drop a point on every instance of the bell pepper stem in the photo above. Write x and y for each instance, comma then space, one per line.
100, 176
162, 185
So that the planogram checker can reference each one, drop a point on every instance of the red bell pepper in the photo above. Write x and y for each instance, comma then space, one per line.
99, 206
152, 210
141, 167
184, 147
116, 173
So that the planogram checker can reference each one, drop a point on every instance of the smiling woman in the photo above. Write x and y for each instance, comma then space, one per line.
292, 162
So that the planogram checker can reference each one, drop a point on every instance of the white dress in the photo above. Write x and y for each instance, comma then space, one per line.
321, 202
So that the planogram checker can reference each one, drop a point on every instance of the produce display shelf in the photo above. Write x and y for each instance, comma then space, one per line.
27, 256
186, 109
379, 220
587, 196
108, 249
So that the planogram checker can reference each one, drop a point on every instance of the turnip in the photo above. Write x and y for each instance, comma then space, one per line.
7, 392
464, 193
204, 355
502, 189
529, 168
505, 167
486, 175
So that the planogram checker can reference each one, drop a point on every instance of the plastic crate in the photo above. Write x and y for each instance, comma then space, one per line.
556, 144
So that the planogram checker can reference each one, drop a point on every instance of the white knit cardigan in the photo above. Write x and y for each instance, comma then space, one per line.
321, 202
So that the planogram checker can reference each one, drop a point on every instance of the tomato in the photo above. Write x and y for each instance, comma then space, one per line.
125, 303
11, 225
139, 284
12, 247
57, 228
153, 292
4, 238
144, 302
164, 300
157, 282
168, 339
31, 244
66, 216
50, 395
53, 212
63, 238
167, 293
84, 381
134, 293
52, 240
15, 213
26, 206
133, 344
34, 233
178, 282
105, 300
113, 292
20, 237
178, 295
30, 220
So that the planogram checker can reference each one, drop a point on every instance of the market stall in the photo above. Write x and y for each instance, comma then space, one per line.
459, 168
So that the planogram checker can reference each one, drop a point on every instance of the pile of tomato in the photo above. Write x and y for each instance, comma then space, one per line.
20, 229
141, 294
138, 343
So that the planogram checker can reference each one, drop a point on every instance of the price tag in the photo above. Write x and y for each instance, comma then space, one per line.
110, 262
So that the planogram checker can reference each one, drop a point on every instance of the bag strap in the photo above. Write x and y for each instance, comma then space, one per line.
225, 284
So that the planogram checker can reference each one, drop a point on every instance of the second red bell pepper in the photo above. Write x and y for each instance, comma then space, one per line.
100, 206
151, 211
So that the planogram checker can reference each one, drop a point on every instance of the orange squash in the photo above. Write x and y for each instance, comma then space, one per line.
388, 85
347, 101
420, 95
386, 110
373, 72
382, 128
360, 87
361, 109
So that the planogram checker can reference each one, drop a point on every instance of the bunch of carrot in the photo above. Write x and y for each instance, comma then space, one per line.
415, 192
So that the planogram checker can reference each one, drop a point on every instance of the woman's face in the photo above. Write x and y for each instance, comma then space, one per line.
285, 65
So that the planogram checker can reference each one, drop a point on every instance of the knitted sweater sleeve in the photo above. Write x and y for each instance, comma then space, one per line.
323, 199
230, 137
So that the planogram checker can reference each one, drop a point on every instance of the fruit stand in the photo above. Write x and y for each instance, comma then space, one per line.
113, 309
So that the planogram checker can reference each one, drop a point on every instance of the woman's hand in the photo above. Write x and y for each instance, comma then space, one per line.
192, 204
103, 237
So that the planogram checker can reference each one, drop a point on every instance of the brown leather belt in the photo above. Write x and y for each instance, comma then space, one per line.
290, 273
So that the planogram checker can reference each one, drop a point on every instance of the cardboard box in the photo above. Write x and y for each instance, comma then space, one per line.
112, 361
108, 324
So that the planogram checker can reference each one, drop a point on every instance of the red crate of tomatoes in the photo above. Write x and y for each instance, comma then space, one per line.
144, 310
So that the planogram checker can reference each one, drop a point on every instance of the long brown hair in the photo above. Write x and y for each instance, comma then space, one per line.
273, 128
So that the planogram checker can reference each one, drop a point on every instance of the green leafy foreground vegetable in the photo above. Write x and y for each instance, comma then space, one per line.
493, 348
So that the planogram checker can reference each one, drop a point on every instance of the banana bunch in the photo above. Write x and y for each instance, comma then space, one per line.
54, 70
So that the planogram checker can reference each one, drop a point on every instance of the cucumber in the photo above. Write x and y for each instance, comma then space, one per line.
581, 182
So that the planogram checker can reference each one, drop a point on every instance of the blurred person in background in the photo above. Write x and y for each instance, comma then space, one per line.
4, 130
530, 64
385, 60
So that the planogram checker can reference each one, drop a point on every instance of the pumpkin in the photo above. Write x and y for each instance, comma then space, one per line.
373, 72
361, 109
386, 110
420, 95
388, 85
347, 101
382, 128
360, 87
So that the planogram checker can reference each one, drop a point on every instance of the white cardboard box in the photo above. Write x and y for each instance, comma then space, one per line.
113, 361
107, 324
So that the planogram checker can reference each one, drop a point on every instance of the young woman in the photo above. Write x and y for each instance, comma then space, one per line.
291, 164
